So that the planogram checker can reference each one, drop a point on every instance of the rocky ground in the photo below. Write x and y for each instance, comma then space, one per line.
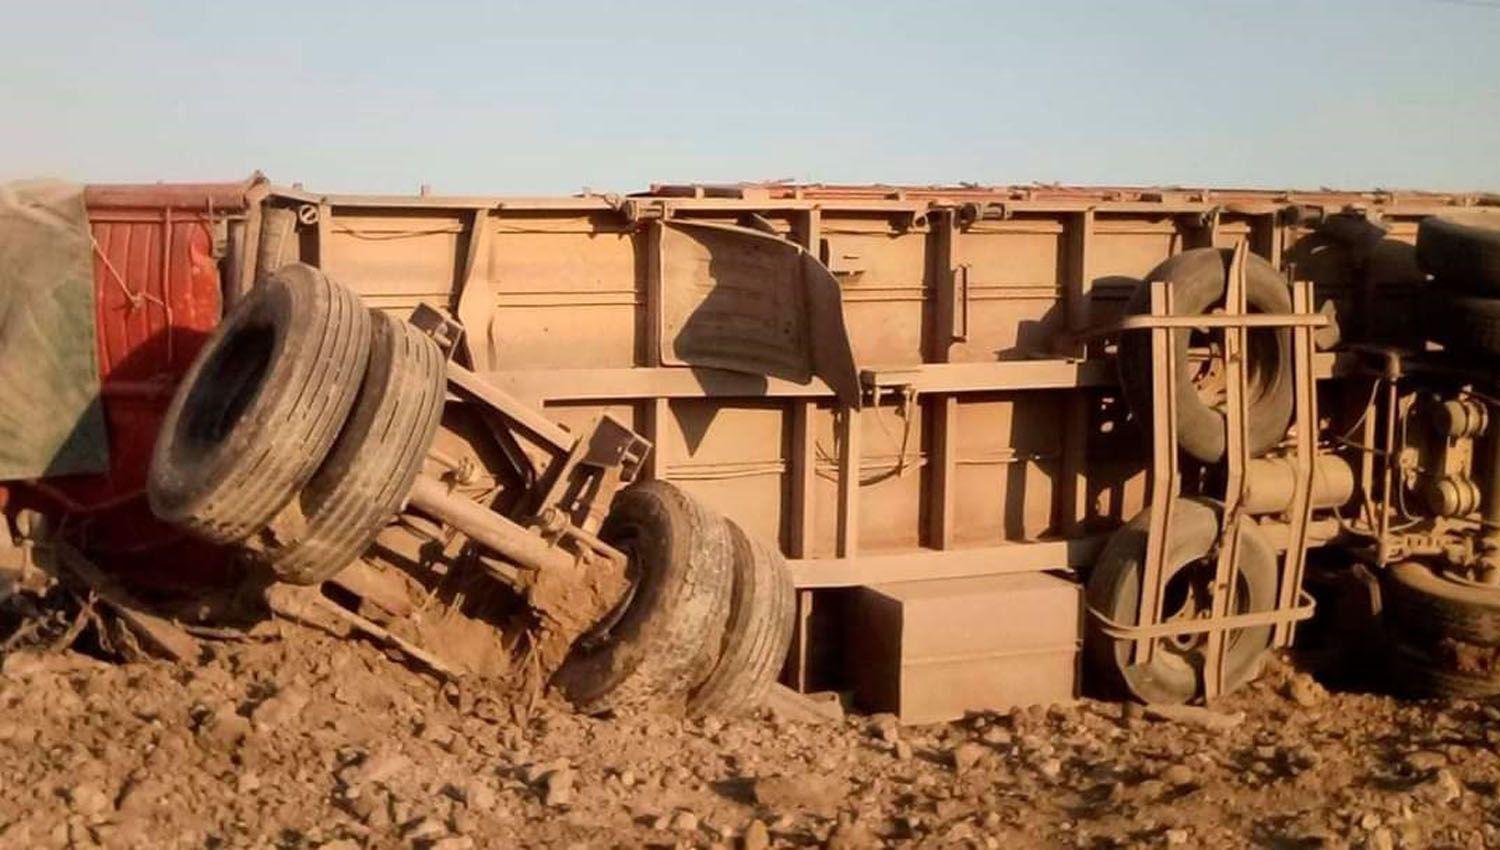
306, 741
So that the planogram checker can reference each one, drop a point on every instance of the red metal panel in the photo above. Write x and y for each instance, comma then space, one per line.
200, 197
158, 295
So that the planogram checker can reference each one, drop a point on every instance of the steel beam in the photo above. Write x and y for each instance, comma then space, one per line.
623, 383
921, 564
523, 416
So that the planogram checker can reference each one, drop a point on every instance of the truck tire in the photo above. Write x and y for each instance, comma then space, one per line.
1423, 608
1173, 675
260, 406
1465, 323
1197, 278
666, 641
372, 464
1464, 255
1445, 671
762, 611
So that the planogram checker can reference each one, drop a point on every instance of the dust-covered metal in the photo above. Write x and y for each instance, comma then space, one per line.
919, 384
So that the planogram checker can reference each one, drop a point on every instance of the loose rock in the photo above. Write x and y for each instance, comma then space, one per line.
1177, 774
757, 837
965, 756
808, 792
378, 756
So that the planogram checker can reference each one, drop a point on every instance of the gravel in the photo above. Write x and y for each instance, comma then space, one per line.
308, 742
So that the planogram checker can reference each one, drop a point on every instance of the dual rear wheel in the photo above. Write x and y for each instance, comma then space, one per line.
300, 427
304, 422
708, 620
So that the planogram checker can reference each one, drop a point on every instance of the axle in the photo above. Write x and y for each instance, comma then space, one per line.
487, 527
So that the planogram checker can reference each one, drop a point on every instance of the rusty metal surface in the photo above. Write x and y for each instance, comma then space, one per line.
184, 197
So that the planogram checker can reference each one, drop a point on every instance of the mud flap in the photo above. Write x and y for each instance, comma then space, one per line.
749, 301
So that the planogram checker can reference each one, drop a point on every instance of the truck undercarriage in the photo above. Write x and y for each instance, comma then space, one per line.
938, 449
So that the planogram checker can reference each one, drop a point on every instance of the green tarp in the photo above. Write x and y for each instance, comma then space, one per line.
51, 420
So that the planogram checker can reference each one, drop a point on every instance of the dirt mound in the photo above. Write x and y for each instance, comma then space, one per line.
302, 740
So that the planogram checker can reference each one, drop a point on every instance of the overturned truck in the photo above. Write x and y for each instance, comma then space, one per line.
937, 449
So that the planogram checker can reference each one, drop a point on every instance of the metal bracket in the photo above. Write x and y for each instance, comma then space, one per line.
1165, 475
1304, 426
1303, 610
961, 303
1293, 604
584, 472
974, 212
637, 211
444, 329
581, 484
1237, 458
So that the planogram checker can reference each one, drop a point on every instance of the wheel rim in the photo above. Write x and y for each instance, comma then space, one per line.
1188, 597
1206, 370
600, 633
228, 385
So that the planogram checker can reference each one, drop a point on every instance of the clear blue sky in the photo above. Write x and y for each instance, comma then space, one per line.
551, 97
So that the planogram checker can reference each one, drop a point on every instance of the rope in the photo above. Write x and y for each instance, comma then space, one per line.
135, 298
